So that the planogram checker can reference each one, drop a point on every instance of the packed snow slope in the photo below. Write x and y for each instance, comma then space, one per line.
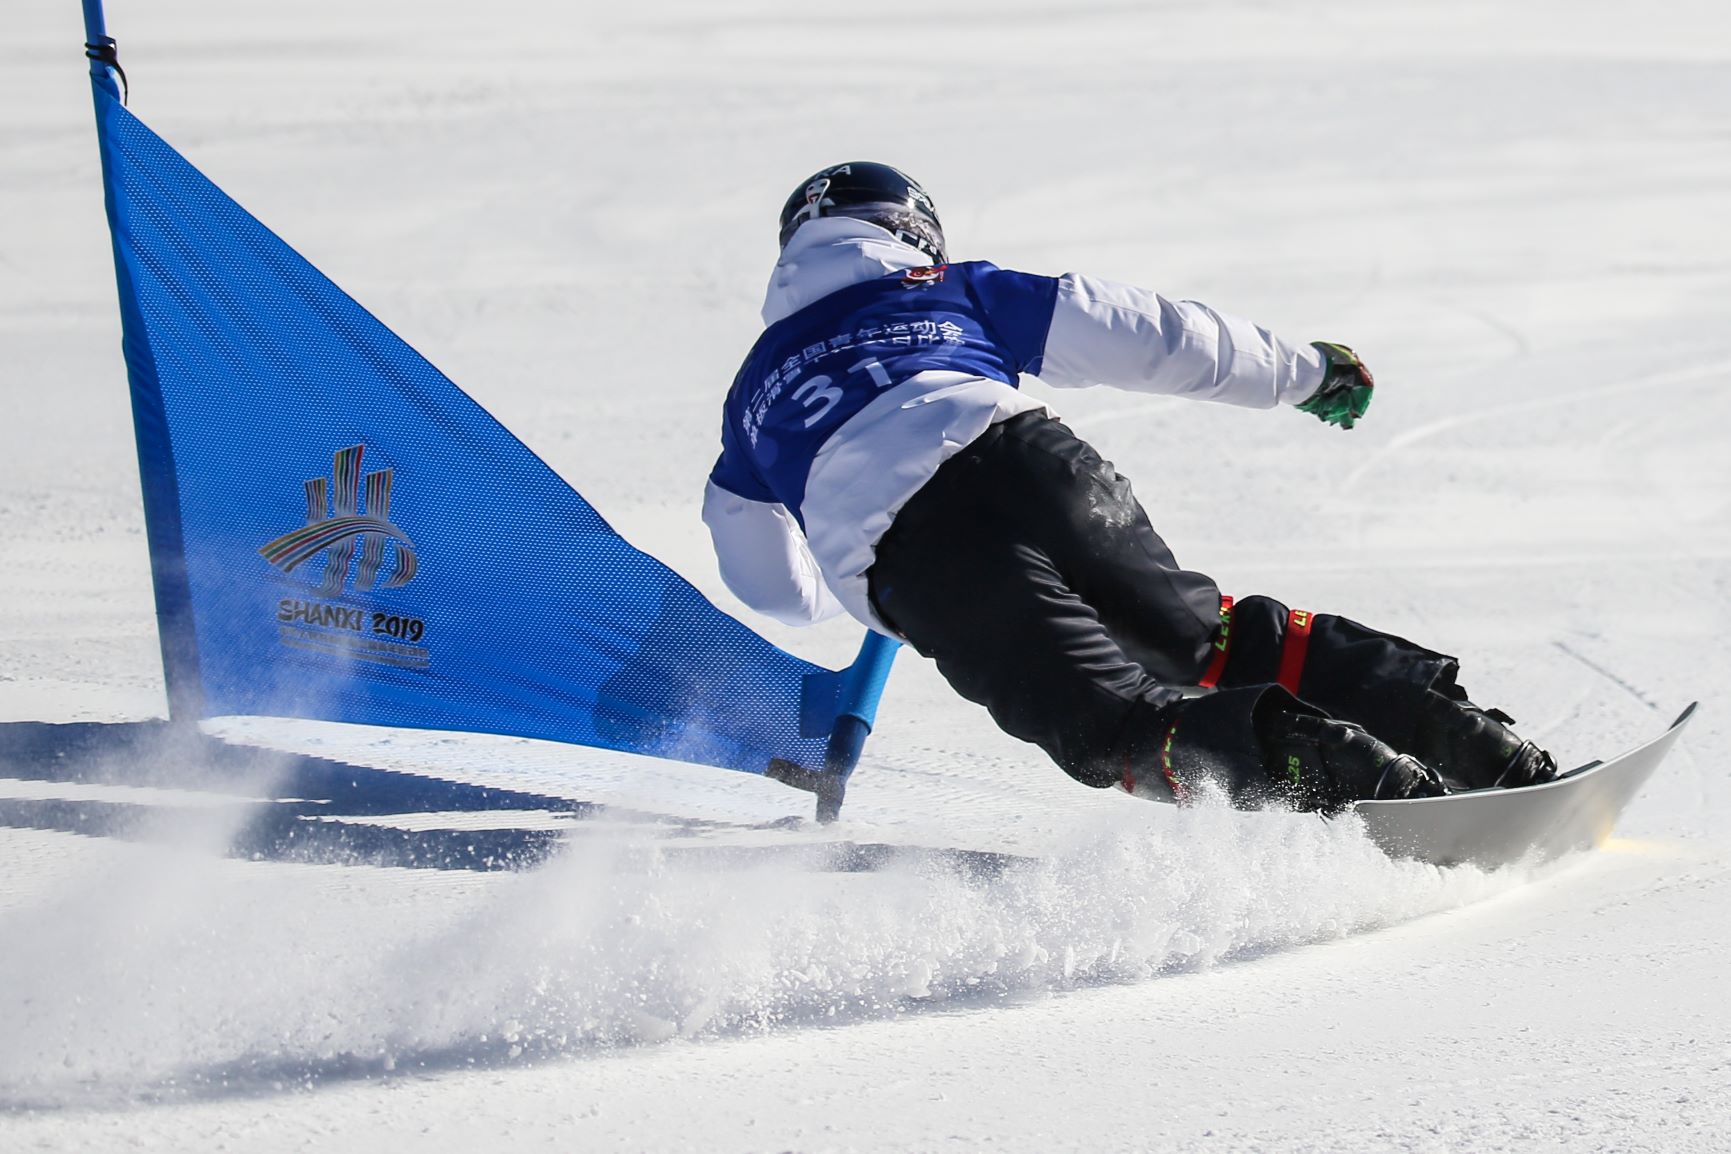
1517, 215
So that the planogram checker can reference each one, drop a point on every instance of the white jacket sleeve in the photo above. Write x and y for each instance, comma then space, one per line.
1105, 333
765, 560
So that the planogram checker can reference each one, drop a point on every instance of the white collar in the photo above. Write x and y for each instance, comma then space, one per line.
829, 254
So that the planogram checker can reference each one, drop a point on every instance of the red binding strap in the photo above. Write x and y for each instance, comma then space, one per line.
1222, 644
1179, 793
1170, 772
1293, 649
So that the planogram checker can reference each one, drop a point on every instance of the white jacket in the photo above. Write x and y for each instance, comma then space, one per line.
1099, 333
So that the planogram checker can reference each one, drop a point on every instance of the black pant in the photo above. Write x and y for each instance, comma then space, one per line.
1030, 574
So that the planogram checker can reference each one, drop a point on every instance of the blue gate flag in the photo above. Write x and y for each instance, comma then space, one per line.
338, 532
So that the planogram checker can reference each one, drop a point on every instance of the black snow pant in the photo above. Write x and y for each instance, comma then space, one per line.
1030, 574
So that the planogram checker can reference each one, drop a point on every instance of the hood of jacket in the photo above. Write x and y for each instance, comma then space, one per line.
832, 253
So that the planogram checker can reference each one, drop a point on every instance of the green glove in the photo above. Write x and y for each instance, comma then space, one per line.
1346, 385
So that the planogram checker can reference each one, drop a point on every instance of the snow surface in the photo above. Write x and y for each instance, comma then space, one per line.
1516, 213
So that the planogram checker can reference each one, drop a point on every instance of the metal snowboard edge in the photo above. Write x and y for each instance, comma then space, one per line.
1497, 827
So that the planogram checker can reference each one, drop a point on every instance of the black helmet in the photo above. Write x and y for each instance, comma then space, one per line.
870, 192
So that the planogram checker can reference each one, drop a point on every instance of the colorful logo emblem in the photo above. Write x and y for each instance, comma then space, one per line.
926, 274
339, 520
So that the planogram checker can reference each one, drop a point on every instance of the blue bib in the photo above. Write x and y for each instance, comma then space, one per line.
811, 372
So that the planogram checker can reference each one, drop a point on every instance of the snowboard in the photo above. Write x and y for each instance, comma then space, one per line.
1487, 827
1495, 827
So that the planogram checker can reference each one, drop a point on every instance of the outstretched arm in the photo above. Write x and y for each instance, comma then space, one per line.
764, 558
1106, 333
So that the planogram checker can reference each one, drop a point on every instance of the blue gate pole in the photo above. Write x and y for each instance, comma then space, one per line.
174, 626
862, 687
95, 41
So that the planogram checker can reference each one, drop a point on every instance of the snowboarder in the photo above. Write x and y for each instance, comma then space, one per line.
878, 457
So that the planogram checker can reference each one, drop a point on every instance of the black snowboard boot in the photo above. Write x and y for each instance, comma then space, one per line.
1474, 748
1318, 763
1261, 745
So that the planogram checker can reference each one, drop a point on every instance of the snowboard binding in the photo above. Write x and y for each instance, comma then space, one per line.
1322, 764
1473, 748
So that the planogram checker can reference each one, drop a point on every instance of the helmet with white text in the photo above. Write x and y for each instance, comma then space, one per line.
875, 193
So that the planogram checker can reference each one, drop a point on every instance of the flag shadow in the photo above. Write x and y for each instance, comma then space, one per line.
284, 807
